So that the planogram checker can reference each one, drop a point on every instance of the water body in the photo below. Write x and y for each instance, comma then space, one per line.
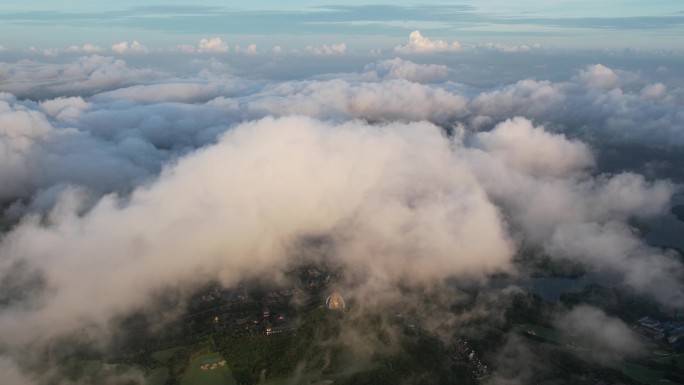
551, 288
667, 230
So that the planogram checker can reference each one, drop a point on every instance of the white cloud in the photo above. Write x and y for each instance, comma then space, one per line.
186, 48
419, 44
654, 91
386, 101
598, 76
124, 48
12, 374
65, 108
510, 48
325, 49
86, 48
84, 75
50, 52
393, 198
214, 44
404, 69
167, 92
534, 151
250, 49
599, 336
120, 47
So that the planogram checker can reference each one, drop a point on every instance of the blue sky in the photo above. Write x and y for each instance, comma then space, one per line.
617, 24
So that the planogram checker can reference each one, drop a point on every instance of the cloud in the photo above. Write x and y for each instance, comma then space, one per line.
85, 75
12, 374
599, 336
335, 99
534, 151
124, 48
169, 92
65, 108
391, 198
404, 69
509, 48
419, 44
325, 49
250, 49
553, 202
186, 48
614, 247
598, 76
214, 44
617, 106
171, 173
654, 91
86, 48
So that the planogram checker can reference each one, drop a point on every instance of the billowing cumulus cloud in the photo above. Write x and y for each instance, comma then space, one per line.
534, 151
393, 198
597, 103
598, 76
214, 44
552, 199
418, 44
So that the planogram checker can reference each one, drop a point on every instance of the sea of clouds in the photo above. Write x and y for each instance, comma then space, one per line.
125, 172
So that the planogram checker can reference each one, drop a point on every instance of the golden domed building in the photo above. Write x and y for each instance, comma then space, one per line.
335, 302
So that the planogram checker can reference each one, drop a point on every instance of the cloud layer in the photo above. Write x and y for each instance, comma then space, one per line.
121, 179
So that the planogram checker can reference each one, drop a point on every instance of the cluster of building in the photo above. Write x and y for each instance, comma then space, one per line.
213, 366
274, 324
464, 355
671, 331
265, 322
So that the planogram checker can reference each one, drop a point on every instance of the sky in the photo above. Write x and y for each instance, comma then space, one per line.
613, 24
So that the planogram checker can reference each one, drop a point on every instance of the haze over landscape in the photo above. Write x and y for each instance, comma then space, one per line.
430, 162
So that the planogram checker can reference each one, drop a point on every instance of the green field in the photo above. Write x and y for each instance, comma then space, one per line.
196, 376
638, 372
303, 380
164, 355
541, 332
678, 359
91, 367
157, 376
642, 373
